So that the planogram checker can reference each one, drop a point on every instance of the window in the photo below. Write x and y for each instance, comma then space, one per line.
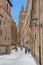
5, 37
4, 22
7, 6
8, 38
0, 32
1, 15
35, 36
0, 22
8, 21
5, 18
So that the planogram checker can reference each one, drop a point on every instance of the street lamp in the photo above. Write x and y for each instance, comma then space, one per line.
34, 20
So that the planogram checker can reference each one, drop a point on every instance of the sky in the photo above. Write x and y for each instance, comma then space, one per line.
15, 10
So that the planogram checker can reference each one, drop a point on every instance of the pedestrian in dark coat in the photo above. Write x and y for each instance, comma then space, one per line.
26, 50
16, 49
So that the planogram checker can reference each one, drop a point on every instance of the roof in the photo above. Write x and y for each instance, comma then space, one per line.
10, 3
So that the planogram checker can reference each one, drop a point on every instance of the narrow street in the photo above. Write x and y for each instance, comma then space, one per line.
21, 32
17, 58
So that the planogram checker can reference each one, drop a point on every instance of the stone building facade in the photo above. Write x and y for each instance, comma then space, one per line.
5, 26
33, 32
25, 26
14, 35
37, 30
21, 26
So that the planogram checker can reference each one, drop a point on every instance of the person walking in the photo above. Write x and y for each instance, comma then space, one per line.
29, 50
16, 49
26, 50
6, 50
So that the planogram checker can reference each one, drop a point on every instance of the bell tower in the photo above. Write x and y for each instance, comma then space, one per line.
22, 15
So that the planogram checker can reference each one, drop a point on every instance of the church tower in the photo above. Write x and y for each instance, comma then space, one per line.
22, 15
